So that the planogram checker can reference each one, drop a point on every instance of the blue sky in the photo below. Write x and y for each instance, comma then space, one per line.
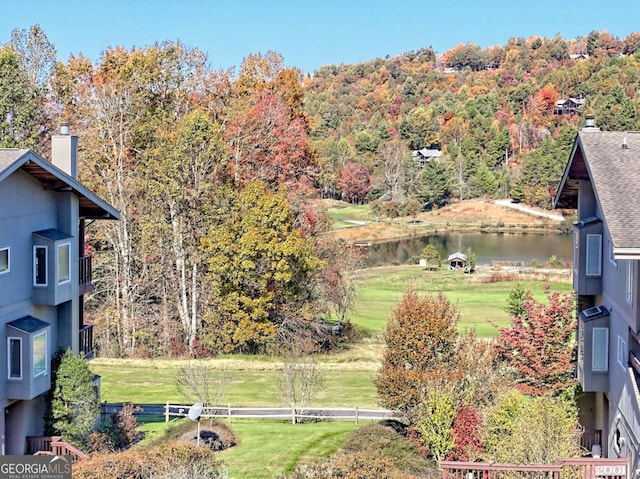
309, 33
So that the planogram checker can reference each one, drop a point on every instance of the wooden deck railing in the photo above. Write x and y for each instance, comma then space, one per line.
85, 341
579, 468
53, 445
85, 274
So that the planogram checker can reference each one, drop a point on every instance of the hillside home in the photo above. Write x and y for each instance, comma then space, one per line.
570, 106
44, 275
601, 181
425, 155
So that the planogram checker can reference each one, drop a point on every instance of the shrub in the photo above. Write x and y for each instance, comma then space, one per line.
74, 406
374, 451
171, 460
466, 431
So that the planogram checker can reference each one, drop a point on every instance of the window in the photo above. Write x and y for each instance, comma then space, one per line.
622, 352
4, 260
40, 354
629, 282
40, 265
594, 255
600, 354
15, 358
64, 265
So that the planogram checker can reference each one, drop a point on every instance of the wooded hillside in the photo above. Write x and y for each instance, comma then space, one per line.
220, 245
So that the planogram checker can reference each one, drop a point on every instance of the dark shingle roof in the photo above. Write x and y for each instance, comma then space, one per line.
53, 178
611, 161
28, 324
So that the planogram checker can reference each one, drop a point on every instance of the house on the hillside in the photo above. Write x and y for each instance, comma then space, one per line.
44, 275
569, 106
458, 262
579, 56
601, 181
425, 155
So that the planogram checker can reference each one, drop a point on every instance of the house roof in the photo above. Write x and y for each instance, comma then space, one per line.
53, 178
427, 153
28, 324
457, 255
610, 161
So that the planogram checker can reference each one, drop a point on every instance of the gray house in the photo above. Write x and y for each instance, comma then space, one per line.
601, 181
44, 274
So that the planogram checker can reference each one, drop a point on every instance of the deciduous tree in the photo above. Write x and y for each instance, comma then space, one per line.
355, 182
261, 271
420, 345
540, 344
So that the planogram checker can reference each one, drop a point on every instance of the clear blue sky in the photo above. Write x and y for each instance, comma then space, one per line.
309, 33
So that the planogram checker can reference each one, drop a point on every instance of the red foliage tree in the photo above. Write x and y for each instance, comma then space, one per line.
355, 183
467, 426
268, 145
539, 345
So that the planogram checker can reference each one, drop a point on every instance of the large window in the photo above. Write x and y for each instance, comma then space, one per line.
600, 355
40, 265
15, 358
594, 255
64, 264
40, 354
4, 260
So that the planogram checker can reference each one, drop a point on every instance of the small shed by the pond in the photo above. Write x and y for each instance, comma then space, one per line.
458, 262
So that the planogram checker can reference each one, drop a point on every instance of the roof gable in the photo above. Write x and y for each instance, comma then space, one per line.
610, 160
53, 178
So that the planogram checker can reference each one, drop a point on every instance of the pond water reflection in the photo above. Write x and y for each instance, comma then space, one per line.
488, 247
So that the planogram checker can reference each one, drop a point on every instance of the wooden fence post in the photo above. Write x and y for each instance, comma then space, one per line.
356, 414
166, 412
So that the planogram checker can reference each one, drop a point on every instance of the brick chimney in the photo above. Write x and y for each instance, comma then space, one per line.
64, 151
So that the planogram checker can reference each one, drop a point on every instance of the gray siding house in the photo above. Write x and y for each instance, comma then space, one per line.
44, 274
602, 181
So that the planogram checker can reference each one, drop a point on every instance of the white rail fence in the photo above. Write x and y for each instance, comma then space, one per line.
294, 414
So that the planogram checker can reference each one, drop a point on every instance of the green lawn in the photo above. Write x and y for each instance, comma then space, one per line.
267, 448
480, 303
346, 383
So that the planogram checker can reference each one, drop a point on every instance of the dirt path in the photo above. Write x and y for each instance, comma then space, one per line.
528, 210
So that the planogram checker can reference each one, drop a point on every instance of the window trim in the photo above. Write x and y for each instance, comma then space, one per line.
8, 269
604, 355
35, 266
10, 339
623, 353
45, 368
629, 282
612, 258
68, 265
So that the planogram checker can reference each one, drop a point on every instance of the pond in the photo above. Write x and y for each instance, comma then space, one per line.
488, 247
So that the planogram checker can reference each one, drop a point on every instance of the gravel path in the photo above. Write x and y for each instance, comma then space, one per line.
531, 211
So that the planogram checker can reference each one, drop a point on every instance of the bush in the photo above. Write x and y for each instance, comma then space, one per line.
375, 451
171, 460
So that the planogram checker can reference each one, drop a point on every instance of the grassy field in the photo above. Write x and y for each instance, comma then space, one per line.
267, 449
481, 304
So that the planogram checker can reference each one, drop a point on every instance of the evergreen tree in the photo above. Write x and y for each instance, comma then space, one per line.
75, 404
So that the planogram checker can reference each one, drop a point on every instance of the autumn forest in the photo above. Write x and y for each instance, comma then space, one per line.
222, 243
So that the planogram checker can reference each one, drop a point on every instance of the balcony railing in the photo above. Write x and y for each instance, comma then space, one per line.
579, 468
85, 341
84, 275
53, 445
